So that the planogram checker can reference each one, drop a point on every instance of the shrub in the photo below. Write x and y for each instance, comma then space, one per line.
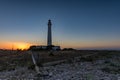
89, 59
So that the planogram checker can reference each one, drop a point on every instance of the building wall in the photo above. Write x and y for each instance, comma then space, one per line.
44, 48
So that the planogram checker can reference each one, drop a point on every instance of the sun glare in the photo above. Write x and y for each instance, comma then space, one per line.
21, 46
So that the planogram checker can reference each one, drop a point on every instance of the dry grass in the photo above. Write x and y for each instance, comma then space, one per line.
9, 60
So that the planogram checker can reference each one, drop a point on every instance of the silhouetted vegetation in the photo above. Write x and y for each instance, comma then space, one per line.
68, 49
51, 54
88, 59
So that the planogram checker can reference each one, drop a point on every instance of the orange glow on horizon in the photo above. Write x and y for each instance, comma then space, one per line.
21, 45
14, 45
64, 44
91, 44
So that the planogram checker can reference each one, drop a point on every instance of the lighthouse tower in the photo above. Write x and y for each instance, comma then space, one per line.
49, 37
49, 45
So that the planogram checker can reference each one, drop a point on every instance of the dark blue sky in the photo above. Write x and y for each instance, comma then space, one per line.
93, 24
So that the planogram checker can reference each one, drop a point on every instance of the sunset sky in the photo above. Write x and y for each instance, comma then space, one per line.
80, 24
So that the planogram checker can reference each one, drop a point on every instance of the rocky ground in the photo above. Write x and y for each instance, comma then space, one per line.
78, 68
70, 70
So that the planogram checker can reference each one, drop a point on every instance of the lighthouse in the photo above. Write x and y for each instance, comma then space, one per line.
49, 45
49, 36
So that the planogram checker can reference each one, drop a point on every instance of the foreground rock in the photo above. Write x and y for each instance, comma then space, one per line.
74, 69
